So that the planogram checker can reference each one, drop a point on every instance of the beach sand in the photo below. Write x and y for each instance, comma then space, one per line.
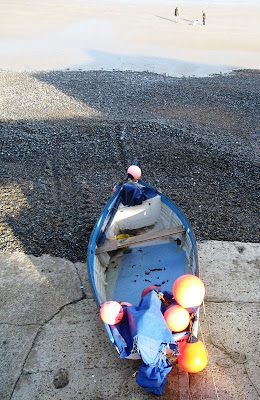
137, 36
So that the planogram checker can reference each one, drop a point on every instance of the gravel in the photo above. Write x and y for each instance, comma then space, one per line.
68, 136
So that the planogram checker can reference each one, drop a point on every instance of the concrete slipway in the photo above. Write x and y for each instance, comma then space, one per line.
51, 335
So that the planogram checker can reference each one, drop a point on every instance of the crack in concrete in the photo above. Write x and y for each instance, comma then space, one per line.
212, 300
62, 307
81, 283
29, 324
25, 359
83, 297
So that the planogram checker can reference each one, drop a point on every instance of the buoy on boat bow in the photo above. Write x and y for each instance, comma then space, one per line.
134, 171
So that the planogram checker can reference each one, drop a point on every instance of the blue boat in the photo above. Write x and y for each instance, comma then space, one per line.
140, 239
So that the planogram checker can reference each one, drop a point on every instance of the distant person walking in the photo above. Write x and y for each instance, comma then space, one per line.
176, 13
203, 17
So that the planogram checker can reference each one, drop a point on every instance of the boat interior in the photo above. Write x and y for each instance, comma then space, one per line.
146, 244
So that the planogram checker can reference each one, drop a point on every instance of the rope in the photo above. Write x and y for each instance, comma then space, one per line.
165, 302
210, 369
235, 356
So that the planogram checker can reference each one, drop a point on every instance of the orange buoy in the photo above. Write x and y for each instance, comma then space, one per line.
147, 289
134, 171
111, 312
189, 291
194, 355
177, 318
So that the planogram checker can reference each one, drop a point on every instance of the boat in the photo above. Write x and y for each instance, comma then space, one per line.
141, 239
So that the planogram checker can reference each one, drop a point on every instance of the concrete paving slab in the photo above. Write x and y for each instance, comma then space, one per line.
234, 328
74, 338
15, 344
50, 332
108, 386
75, 341
34, 288
230, 270
80, 387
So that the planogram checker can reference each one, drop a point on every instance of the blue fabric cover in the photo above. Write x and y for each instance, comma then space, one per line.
145, 328
152, 378
132, 195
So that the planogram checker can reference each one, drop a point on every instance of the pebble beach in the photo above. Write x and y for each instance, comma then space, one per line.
68, 136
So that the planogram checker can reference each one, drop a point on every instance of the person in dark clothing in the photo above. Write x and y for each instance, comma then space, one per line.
176, 13
203, 17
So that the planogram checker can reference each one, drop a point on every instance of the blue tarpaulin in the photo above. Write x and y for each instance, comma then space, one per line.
144, 328
132, 194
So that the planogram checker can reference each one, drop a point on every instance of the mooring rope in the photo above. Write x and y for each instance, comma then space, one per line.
210, 369
235, 356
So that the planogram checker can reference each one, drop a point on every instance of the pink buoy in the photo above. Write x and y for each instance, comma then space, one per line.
111, 312
125, 303
147, 289
135, 171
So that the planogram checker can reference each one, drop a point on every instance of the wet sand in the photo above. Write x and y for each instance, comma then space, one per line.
137, 36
